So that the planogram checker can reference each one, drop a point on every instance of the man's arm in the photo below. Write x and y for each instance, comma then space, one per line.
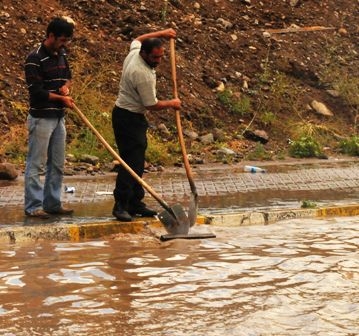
165, 104
66, 100
34, 81
162, 104
34, 78
63, 95
65, 89
166, 33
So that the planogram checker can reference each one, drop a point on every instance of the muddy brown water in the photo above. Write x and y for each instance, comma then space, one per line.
299, 277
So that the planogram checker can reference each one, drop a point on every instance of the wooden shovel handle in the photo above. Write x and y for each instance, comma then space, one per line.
123, 163
173, 67
178, 119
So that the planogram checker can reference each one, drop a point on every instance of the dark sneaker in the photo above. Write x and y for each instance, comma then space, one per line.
61, 211
121, 214
38, 213
142, 211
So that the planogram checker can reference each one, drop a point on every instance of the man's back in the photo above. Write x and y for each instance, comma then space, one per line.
138, 83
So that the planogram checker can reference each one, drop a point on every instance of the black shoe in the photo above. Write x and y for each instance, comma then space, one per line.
142, 211
121, 214
61, 211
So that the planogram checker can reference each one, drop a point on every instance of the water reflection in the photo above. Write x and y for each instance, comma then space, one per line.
294, 278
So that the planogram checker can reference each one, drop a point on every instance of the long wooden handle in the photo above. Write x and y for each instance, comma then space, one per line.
123, 163
178, 119
173, 67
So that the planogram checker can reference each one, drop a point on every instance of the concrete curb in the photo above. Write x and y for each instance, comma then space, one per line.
78, 232
273, 216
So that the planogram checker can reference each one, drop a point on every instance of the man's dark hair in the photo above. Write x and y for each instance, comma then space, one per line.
149, 44
60, 27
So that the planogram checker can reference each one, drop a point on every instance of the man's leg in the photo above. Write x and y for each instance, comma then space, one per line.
136, 160
136, 206
39, 135
125, 136
130, 133
55, 169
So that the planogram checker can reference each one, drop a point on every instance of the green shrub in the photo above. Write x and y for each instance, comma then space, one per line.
239, 106
91, 90
305, 147
259, 153
282, 93
350, 146
267, 118
158, 151
20, 110
225, 97
307, 204
86, 142
13, 144
164, 11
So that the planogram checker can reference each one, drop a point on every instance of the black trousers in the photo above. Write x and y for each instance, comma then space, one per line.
130, 133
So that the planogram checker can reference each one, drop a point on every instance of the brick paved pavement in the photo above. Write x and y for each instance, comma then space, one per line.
227, 197
212, 181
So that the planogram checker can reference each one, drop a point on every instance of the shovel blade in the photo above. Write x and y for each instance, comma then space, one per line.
192, 209
176, 222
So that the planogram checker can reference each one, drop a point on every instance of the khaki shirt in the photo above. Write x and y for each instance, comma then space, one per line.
138, 82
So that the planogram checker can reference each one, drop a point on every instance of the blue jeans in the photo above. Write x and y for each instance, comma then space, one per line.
47, 138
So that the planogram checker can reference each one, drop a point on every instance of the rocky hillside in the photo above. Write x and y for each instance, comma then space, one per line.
248, 70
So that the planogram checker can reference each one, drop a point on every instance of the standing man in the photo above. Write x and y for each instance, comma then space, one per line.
137, 94
48, 79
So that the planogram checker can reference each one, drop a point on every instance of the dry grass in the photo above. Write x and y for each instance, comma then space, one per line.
94, 91
14, 143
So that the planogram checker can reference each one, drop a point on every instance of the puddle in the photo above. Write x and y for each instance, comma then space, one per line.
226, 203
298, 277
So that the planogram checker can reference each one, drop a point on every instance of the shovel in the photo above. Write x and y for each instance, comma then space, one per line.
174, 218
193, 206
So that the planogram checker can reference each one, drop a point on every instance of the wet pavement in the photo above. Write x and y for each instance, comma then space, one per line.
219, 187
295, 277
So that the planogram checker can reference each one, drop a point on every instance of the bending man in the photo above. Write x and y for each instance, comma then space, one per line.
137, 94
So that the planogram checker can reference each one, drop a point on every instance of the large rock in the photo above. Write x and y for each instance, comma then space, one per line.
190, 134
163, 129
92, 159
321, 108
257, 135
219, 135
294, 3
8, 171
223, 152
206, 139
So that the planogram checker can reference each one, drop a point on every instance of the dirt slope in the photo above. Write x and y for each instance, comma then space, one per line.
219, 41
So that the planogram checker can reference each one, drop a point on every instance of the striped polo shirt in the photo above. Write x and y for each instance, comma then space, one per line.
45, 73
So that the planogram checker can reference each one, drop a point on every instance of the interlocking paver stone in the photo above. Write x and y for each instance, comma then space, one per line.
211, 181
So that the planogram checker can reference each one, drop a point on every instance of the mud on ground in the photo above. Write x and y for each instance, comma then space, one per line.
219, 41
